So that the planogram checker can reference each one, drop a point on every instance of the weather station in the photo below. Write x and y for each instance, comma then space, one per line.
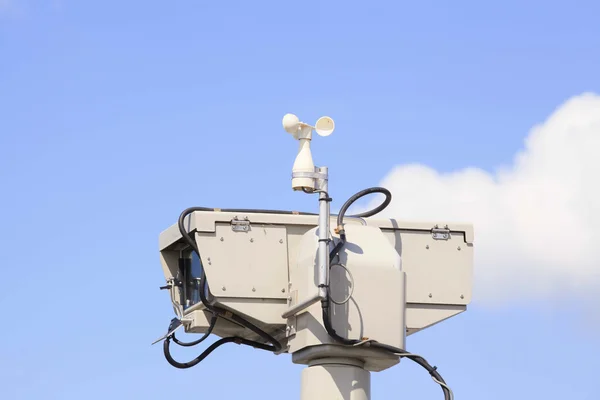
340, 293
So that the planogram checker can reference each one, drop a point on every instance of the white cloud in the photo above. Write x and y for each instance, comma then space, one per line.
537, 222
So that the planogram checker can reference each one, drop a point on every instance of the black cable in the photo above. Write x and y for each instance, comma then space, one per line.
329, 328
213, 322
369, 213
209, 350
417, 359
276, 346
402, 353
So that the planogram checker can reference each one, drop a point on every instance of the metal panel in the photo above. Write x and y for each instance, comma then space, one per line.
250, 264
438, 271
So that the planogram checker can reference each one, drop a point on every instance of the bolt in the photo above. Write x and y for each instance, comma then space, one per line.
427, 247
283, 290
280, 240
251, 240
223, 288
462, 296
430, 295
458, 248
254, 289
222, 238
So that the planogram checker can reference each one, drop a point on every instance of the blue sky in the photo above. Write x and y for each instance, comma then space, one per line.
114, 117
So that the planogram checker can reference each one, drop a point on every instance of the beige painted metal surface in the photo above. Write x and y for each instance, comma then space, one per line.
246, 264
438, 270
372, 282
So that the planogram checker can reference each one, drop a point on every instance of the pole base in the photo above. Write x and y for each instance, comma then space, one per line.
335, 379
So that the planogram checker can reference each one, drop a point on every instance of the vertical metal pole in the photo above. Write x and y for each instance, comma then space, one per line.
323, 252
334, 378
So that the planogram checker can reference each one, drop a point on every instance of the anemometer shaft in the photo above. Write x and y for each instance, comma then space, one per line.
323, 235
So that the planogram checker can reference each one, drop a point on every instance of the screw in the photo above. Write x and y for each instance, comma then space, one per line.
283, 290
280, 240
462, 296
430, 295
251, 240
223, 288
427, 247
458, 248
222, 238
254, 289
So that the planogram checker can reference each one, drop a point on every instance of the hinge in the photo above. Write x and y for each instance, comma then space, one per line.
290, 329
438, 233
240, 225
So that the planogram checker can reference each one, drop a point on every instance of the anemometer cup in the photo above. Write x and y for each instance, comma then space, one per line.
324, 126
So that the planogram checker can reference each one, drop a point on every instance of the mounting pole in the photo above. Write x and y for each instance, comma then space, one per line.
325, 378
324, 215
331, 378
335, 379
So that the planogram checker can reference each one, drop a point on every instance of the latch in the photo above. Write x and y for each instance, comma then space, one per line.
290, 329
240, 225
438, 233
